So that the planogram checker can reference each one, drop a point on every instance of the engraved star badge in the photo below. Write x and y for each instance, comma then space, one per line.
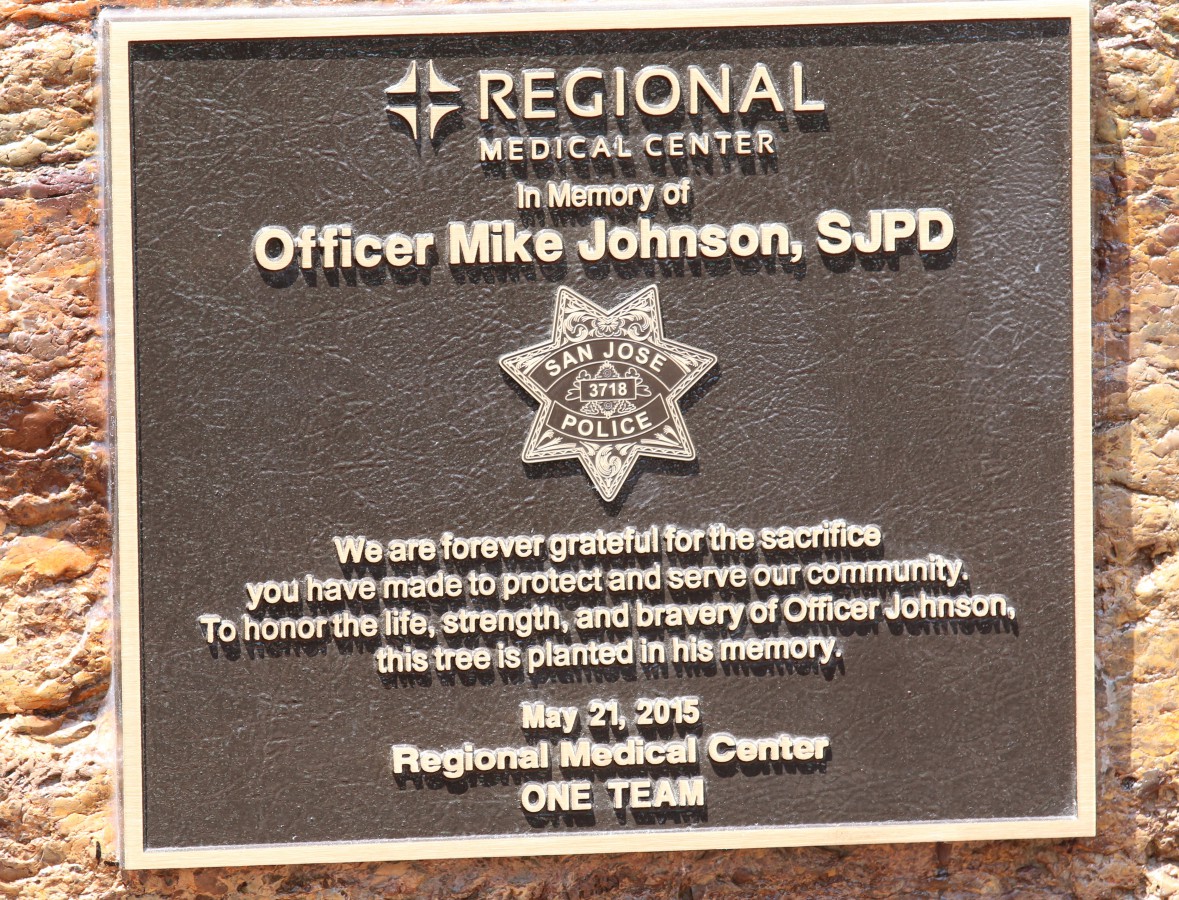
609, 384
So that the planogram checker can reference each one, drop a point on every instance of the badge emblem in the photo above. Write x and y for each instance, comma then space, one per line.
609, 384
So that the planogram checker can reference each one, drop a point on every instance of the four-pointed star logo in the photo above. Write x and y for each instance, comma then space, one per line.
609, 384
406, 105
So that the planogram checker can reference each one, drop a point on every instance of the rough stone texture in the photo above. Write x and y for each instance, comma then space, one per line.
57, 722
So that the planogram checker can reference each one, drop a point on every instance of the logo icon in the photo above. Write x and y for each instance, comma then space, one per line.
609, 384
405, 100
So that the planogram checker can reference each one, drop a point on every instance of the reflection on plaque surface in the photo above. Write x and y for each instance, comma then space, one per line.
568, 432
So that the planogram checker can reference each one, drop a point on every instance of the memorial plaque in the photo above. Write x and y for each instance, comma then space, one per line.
567, 431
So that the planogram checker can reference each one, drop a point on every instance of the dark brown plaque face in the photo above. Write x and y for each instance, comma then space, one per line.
569, 432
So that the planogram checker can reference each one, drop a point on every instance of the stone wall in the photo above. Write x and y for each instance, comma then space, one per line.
57, 722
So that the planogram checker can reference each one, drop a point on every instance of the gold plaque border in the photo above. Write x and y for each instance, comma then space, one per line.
119, 30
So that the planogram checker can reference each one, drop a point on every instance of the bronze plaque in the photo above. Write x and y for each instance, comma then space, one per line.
568, 431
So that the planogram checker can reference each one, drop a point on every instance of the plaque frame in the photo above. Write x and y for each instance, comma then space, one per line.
120, 30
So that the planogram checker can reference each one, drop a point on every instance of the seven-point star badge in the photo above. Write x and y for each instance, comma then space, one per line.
608, 383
